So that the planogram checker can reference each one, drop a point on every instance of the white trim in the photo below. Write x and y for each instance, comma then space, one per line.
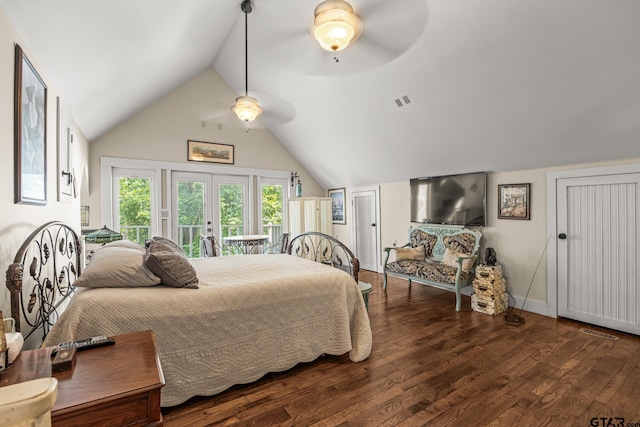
108, 164
552, 220
191, 167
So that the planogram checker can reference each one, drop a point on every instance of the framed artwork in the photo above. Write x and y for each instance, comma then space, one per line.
30, 145
513, 201
338, 206
209, 152
84, 216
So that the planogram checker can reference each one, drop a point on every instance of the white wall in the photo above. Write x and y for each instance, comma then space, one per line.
519, 244
17, 220
193, 111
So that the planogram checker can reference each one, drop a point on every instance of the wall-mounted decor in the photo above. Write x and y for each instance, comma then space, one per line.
338, 206
513, 201
296, 183
30, 152
84, 216
65, 177
210, 152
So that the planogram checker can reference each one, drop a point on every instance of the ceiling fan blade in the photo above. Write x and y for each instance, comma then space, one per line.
390, 29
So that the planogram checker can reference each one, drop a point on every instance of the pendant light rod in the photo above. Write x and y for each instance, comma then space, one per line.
246, 8
246, 107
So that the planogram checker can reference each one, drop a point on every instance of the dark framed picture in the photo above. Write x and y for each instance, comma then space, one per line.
30, 145
210, 152
513, 201
338, 206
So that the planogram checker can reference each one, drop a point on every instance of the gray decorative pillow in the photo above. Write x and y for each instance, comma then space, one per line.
169, 244
173, 268
117, 267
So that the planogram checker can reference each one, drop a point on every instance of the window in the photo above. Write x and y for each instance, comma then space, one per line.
134, 204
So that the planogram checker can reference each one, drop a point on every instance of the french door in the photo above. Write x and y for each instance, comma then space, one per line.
208, 204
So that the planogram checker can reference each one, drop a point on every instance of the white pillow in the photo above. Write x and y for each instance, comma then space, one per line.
117, 267
123, 244
450, 258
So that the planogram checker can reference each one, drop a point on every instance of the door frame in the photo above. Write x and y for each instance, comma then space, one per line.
376, 191
552, 220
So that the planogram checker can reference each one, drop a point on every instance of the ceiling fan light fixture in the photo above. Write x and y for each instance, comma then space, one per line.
247, 108
335, 25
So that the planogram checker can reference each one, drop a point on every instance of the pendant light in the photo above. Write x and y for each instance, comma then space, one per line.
246, 107
335, 25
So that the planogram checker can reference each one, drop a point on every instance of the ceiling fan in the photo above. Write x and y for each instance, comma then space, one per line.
215, 111
283, 35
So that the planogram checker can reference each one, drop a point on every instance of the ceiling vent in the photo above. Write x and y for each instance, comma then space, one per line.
399, 101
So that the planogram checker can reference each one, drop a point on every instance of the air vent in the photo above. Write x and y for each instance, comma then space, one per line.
399, 101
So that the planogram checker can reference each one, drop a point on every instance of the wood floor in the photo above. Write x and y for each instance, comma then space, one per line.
432, 366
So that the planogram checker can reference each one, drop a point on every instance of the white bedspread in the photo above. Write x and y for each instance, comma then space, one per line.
252, 315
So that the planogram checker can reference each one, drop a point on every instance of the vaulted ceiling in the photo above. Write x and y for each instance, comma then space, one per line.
493, 85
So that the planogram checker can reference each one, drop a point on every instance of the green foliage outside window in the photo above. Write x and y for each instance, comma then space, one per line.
271, 205
135, 208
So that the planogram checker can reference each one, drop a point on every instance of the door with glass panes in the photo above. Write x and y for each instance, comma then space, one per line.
208, 204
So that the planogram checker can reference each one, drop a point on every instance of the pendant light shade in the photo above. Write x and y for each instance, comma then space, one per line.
246, 107
335, 25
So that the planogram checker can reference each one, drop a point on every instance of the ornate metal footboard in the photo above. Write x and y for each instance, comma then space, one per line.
323, 248
51, 256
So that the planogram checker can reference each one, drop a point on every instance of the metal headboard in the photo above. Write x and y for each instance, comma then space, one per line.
325, 249
53, 260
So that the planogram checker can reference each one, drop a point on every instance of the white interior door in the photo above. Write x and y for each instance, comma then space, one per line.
365, 220
598, 238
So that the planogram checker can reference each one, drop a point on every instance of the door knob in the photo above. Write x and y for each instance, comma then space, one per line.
562, 236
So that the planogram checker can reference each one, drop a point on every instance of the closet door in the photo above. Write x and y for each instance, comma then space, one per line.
598, 244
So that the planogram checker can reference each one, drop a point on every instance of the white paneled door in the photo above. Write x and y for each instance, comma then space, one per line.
598, 245
366, 228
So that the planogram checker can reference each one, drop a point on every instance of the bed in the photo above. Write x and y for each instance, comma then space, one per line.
246, 316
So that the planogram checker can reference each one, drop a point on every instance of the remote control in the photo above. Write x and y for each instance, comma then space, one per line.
87, 343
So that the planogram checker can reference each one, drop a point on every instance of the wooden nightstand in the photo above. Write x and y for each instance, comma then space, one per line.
110, 386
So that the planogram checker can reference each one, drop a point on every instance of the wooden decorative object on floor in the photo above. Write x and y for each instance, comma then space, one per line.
489, 290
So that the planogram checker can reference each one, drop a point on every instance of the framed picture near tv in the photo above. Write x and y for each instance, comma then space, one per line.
513, 201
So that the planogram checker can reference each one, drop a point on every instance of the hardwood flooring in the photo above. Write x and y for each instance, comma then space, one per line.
432, 366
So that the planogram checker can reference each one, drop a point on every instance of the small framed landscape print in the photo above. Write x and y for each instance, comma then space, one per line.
513, 201
210, 152
84, 216
338, 210
30, 152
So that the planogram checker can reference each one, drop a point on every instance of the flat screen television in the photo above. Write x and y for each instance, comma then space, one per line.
449, 199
